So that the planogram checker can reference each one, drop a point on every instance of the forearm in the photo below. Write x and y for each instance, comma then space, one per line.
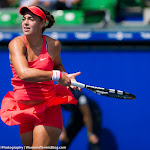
60, 67
88, 123
35, 75
87, 116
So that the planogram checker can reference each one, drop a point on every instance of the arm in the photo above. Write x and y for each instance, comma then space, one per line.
57, 61
59, 66
87, 118
17, 58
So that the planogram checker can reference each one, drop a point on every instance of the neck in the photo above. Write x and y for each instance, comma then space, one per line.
34, 41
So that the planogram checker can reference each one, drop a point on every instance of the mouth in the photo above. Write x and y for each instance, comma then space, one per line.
26, 28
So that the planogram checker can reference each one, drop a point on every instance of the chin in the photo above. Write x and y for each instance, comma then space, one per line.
27, 33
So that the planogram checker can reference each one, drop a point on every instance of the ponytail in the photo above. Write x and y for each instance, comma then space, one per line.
49, 17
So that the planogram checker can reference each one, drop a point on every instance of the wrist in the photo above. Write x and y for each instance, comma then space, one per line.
89, 134
65, 73
56, 75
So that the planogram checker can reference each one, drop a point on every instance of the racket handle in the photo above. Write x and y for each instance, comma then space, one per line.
77, 84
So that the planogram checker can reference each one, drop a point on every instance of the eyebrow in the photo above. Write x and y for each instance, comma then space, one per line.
28, 17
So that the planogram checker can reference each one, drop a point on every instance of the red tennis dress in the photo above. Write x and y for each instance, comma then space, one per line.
46, 113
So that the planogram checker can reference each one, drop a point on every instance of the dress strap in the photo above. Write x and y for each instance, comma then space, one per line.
24, 40
45, 46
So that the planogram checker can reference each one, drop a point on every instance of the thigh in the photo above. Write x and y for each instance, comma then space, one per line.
52, 117
26, 134
45, 135
27, 138
47, 132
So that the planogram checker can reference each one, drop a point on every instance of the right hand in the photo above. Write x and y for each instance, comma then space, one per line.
63, 136
64, 80
72, 77
93, 139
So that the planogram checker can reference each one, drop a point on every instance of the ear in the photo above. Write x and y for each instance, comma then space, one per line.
42, 24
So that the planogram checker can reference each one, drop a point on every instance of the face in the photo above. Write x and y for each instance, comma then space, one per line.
31, 24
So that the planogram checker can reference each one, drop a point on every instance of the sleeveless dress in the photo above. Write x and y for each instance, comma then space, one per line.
14, 113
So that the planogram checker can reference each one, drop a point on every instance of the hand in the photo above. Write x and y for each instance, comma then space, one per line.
72, 77
93, 139
64, 80
63, 136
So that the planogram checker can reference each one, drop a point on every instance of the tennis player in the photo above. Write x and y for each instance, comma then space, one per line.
85, 113
34, 103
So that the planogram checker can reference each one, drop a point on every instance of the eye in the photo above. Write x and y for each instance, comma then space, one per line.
31, 19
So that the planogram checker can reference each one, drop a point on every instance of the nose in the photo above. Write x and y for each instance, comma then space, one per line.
25, 22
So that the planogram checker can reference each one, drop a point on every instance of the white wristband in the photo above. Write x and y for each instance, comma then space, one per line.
56, 75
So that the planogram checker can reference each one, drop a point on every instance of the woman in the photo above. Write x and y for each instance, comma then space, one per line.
34, 104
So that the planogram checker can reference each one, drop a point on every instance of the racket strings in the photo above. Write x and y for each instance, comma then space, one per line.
111, 93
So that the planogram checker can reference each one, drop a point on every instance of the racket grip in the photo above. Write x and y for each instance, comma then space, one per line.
77, 84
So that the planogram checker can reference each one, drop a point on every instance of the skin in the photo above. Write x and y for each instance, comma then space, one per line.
87, 118
32, 29
72, 2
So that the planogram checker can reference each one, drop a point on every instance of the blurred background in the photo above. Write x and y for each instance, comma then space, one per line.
108, 41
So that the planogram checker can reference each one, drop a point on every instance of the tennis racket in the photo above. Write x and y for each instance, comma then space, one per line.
105, 92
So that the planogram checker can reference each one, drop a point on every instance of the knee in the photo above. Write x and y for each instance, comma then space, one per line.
45, 136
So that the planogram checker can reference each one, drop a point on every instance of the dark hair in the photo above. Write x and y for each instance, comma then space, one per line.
49, 17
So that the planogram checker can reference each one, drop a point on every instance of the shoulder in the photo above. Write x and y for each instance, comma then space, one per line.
16, 40
53, 43
16, 43
82, 100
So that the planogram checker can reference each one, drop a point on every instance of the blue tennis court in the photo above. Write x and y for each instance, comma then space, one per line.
125, 124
